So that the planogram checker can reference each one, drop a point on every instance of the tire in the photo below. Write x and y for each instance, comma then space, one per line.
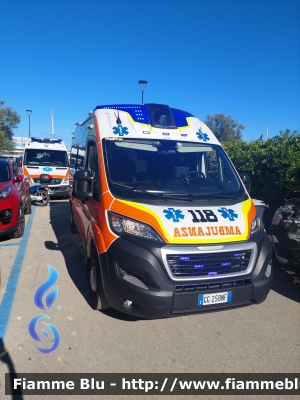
73, 225
45, 196
28, 208
21, 225
275, 261
98, 298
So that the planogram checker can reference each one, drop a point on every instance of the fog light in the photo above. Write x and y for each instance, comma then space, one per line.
7, 213
127, 303
268, 270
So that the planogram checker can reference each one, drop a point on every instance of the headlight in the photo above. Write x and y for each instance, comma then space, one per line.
5, 193
123, 226
257, 224
65, 181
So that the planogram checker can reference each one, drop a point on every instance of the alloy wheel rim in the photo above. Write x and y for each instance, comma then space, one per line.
22, 221
44, 195
93, 278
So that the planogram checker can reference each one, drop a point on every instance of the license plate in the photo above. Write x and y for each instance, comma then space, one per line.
214, 298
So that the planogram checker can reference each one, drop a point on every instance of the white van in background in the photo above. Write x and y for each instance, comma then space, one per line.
44, 155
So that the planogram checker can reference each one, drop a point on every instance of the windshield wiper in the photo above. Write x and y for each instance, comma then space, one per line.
176, 195
220, 196
164, 196
134, 189
121, 184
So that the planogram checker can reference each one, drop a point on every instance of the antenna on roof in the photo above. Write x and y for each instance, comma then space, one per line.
52, 126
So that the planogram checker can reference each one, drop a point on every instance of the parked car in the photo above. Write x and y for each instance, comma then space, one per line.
14, 199
284, 232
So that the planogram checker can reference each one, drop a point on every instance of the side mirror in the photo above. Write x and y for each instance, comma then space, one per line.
83, 185
19, 178
246, 181
45, 179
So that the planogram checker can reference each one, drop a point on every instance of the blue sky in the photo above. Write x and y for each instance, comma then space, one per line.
236, 57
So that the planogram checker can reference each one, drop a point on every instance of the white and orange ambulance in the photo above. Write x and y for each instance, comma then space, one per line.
167, 224
44, 155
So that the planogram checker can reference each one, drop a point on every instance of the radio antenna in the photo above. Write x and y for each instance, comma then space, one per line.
52, 125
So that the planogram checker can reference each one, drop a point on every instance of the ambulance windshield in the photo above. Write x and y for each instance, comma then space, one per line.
57, 158
168, 167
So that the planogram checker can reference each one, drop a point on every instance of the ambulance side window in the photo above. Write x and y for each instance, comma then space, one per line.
77, 157
92, 164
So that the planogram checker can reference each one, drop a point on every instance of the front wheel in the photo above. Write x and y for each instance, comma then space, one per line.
28, 207
73, 224
21, 225
45, 198
98, 297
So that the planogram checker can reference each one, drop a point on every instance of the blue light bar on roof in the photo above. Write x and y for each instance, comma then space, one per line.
45, 140
180, 117
138, 112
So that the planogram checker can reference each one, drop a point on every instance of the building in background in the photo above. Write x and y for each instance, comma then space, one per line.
18, 151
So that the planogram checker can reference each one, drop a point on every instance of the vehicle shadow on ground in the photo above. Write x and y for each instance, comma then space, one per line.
4, 238
286, 282
71, 247
6, 359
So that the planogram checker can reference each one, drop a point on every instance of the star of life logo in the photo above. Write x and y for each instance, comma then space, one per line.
47, 169
120, 130
175, 215
202, 136
228, 213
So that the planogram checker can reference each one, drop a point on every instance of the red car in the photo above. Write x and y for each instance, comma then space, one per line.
14, 199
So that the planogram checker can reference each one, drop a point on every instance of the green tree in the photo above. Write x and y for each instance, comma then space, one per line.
273, 165
9, 119
224, 127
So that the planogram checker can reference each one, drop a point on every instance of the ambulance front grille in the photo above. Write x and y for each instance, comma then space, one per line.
53, 181
201, 265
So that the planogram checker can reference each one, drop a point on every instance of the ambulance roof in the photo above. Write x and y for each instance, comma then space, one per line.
151, 121
158, 115
43, 143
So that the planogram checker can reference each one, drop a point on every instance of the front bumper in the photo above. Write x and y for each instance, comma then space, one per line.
9, 224
62, 190
7, 231
134, 270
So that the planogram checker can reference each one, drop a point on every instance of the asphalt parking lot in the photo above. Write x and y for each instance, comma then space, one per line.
256, 339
